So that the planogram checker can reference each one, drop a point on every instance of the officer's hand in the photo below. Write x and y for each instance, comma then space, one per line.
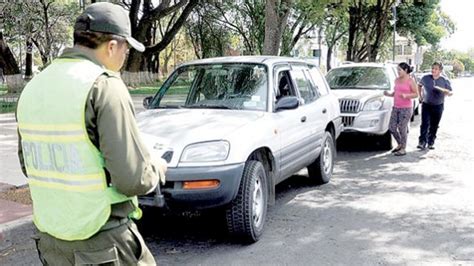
160, 166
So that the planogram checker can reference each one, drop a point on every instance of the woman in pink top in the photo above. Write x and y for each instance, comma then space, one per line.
405, 90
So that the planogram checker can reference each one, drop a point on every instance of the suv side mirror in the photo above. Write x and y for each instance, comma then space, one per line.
147, 101
287, 103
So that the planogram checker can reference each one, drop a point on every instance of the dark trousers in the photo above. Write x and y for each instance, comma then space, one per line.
122, 245
430, 117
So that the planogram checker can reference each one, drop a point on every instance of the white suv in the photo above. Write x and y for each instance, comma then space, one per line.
232, 128
364, 108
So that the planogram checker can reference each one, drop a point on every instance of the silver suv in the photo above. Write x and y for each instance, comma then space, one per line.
359, 88
232, 128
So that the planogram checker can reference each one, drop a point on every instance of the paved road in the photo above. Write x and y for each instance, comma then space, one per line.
377, 210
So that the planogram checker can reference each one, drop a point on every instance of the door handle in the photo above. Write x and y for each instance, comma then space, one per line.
324, 110
303, 119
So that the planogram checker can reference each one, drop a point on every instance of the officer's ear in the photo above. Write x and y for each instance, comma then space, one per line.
112, 47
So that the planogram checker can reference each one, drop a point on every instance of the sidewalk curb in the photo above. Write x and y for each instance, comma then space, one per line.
11, 232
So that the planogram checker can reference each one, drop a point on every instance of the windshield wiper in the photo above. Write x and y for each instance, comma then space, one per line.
210, 106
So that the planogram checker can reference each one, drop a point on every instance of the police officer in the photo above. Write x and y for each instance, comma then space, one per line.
79, 148
432, 90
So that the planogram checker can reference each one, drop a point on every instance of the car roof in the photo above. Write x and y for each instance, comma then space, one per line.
267, 60
366, 64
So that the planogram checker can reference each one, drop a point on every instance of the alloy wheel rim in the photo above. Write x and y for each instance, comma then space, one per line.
327, 157
258, 203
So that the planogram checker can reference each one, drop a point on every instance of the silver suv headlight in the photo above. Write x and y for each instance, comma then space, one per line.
206, 152
373, 104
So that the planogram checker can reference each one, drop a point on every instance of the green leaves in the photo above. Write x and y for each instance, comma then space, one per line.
48, 23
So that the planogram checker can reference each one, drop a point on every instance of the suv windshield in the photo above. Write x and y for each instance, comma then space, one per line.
241, 86
361, 77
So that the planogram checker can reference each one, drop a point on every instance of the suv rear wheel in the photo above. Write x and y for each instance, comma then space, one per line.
246, 214
321, 169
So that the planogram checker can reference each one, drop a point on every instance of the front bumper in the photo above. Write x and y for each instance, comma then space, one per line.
229, 177
370, 122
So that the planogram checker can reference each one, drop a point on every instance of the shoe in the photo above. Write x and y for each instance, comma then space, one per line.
431, 147
400, 153
396, 149
421, 146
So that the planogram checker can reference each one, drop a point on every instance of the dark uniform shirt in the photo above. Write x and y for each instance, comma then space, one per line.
111, 126
431, 95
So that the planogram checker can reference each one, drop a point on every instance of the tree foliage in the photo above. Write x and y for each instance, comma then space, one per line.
424, 21
458, 66
304, 18
335, 27
368, 28
45, 23
145, 18
209, 36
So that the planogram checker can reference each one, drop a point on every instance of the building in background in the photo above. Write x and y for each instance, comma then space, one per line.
313, 47
406, 50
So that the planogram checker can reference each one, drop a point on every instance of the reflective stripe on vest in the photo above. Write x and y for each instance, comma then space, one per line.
71, 199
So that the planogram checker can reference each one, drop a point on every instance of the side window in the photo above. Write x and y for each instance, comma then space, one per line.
305, 88
319, 81
284, 86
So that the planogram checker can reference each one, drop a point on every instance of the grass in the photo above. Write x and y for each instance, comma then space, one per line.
145, 90
7, 107
3, 87
154, 89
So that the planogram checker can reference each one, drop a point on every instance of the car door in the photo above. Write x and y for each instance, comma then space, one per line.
290, 126
313, 108
326, 105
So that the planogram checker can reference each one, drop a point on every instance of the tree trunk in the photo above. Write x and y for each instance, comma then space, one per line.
328, 58
29, 60
7, 60
134, 62
11, 71
276, 18
353, 22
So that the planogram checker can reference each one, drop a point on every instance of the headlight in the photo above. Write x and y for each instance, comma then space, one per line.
206, 152
373, 105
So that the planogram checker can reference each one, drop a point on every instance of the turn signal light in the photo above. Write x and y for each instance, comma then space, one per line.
201, 184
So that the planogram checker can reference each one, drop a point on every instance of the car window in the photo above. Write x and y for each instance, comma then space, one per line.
305, 88
216, 86
178, 89
319, 80
358, 77
284, 86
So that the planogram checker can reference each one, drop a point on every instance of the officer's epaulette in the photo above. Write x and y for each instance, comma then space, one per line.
111, 73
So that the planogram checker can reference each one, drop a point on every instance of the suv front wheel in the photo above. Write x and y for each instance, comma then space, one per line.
246, 214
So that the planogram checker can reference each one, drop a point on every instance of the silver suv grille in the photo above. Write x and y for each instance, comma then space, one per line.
349, 105
347, 121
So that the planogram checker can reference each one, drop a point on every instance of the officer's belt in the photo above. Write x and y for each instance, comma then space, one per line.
113, 223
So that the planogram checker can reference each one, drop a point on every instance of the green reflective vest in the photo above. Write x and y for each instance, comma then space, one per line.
71, 197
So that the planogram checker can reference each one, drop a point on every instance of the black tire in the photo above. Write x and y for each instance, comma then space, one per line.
386, 141
320, 171
247, 213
